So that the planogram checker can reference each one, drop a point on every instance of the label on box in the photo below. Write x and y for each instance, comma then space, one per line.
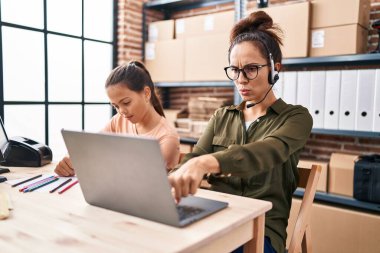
318, 39
179, 26
153, 33
150, 51
208, 24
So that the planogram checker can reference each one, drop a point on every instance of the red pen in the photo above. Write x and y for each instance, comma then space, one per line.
68, 187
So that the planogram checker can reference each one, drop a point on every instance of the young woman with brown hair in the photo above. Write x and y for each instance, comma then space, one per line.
132, 93
251, 149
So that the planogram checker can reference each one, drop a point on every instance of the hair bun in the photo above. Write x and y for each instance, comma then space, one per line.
259, 20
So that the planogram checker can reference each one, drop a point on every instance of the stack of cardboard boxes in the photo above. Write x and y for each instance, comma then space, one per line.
189, 49
163, 54
339, 27
202, 108
293, 19
200, 111
322, 27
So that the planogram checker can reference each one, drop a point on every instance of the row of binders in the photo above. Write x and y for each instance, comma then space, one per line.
337, 99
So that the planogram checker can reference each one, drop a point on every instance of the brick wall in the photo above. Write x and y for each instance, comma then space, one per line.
130, 47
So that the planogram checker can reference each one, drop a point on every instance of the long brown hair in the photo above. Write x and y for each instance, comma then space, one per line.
259, 29
135, 77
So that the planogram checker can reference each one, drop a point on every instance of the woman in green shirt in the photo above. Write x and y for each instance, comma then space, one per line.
252, 149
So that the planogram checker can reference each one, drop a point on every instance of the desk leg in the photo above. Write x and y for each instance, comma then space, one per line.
256, 244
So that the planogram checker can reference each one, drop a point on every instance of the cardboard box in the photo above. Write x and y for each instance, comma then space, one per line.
322, 182
205, 57
185, 148
165, 60
339, 230
294, 21
161, 30
215, 23
326, 13
202, 108
172, 115
338, 40
341, 174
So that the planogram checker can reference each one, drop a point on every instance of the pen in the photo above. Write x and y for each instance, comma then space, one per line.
68, 187
59, 186
35, 183
27, 180
41, 185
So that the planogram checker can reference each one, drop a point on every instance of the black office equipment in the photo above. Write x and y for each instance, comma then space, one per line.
4, 170
2, 179
367, 178
22, 152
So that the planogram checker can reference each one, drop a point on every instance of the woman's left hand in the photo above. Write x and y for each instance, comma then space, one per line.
188, 177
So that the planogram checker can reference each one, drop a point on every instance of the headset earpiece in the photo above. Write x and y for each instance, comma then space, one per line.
273, 75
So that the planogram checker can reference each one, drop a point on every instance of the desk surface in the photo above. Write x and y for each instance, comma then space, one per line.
44, 222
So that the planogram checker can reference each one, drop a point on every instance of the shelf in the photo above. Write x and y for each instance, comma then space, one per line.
180, 5
342, 201
186, 140
340, 60
346, 133
194, 84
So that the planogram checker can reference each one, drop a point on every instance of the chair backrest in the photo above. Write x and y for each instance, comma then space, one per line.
301, 237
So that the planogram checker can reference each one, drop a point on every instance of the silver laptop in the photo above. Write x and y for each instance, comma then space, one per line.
127, 174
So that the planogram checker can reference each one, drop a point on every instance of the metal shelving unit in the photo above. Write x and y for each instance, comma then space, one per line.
346, 133
180, 5
341, 201
339, 60
170, 6
195, 84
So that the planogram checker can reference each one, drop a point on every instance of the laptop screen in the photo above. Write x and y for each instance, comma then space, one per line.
3, 140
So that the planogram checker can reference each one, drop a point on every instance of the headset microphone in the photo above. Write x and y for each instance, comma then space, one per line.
253, 104
272, 77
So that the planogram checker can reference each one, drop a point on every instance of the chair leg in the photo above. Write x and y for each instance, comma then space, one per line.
306, 241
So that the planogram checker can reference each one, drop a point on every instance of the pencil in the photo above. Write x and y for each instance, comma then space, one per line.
27, 180
35, 183
41, 185
68, 187
59, 186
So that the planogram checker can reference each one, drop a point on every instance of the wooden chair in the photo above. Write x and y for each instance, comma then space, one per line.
301, 237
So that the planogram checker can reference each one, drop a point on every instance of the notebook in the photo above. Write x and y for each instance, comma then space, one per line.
127, 174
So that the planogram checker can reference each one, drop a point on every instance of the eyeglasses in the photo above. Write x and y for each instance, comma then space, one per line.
250, 71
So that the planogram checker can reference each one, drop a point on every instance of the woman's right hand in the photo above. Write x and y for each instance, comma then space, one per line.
65, 168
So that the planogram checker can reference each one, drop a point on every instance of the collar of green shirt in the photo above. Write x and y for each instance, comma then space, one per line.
277, 107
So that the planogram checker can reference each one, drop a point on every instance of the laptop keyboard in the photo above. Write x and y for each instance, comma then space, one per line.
188, 211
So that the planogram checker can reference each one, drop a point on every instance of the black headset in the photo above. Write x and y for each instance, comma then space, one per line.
273, 75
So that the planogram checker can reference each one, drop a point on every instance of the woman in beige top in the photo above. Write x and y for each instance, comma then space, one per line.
131, 92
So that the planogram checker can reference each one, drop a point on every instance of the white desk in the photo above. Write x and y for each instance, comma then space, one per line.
44, 222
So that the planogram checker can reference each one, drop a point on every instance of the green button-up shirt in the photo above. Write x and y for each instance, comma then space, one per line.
258, 162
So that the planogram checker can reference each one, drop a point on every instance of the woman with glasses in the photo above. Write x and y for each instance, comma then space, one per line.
251, 149
131, 92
